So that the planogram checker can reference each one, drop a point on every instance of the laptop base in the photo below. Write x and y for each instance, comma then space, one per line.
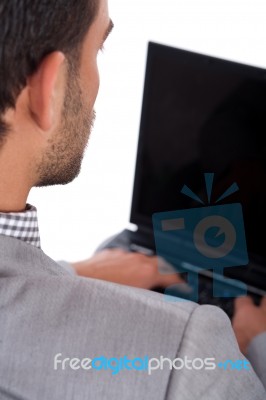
137, 242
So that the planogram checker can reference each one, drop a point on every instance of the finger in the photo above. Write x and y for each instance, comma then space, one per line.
243, 302
115, 251
169, 280
164, 267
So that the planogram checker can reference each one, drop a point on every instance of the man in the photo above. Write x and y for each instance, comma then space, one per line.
51, 320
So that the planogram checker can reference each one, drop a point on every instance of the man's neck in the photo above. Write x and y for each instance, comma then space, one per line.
15, 181
13, 196
12, 207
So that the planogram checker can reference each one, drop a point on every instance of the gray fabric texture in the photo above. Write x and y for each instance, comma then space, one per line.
45, 311
257, 356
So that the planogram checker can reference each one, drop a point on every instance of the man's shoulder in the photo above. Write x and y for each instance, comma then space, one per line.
46, 311
32, 268
40, 277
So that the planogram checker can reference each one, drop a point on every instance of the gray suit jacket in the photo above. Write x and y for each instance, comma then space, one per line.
45, 311
257, 356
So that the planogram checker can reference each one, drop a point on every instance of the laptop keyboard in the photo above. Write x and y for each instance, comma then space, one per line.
127, 241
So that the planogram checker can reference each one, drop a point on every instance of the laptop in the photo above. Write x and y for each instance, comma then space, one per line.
201, 116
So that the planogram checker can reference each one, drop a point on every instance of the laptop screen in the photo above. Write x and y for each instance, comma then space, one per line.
202, 115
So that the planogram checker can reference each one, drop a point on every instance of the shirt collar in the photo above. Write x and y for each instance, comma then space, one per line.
21, 225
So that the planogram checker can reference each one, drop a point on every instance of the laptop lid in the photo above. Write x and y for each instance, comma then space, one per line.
201, 114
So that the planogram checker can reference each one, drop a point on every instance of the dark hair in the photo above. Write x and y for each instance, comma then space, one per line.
31, 29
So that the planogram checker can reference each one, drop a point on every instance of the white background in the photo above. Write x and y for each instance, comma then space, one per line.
74, 219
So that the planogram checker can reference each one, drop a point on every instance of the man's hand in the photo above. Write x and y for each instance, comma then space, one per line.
131, 269
249, 321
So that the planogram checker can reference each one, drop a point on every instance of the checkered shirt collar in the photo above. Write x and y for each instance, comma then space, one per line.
21, 225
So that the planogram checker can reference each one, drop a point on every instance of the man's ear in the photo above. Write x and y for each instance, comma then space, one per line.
44, 88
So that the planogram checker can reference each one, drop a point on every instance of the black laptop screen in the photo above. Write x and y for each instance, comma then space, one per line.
202, 115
